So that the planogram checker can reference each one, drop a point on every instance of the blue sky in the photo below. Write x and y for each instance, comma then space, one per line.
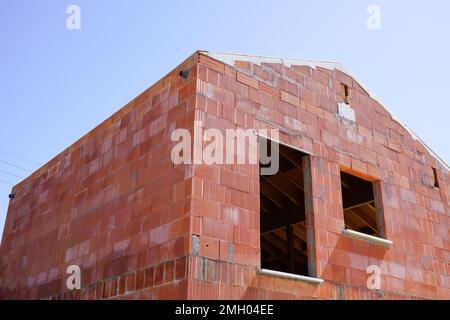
57, 84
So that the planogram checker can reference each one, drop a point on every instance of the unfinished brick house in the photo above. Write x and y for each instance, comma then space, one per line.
355, 192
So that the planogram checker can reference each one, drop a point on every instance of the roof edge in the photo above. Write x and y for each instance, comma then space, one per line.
230, 58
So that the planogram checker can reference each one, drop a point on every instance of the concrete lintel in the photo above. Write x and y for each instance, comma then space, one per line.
367, 237
290, 276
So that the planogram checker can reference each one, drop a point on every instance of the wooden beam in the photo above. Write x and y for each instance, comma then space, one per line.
293, 175
290, 247
273, 251
294, 156
268, 204
281, 233
286, 186
360, 218
273, 194
300, 232
359, 205
281, 218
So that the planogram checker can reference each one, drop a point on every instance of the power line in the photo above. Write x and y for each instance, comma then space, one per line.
16, 166
18, 157
6, 182
12, 174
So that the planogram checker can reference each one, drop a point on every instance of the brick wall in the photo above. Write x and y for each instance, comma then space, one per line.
141, 227
304, 102
112, 203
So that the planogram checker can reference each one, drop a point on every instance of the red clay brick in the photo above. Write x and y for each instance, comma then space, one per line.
149, 276
142, 227
289, 98
248, 80
131, 281
159, 274
140, 276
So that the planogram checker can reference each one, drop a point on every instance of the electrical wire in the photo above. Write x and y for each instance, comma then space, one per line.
6, 182
18, 157
11, 174
15, 166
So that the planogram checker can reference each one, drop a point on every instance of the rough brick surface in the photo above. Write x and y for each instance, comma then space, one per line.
304, 102
112, 203
143, 228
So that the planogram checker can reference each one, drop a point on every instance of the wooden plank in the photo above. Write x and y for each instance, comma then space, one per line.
379, 209
309, 216
355, 212
359, 205
290, 247
286, 186
273, 194
296, 176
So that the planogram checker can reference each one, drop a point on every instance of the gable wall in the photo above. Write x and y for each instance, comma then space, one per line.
302, 101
